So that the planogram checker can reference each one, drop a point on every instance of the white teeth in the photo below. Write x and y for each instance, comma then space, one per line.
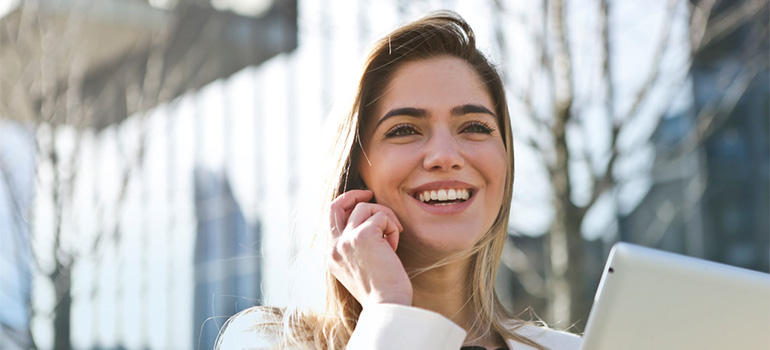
443, 195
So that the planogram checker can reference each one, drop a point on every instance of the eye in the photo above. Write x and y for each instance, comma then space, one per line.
478, 127
401, 130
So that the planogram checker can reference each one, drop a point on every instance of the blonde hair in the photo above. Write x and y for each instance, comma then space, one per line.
442, 33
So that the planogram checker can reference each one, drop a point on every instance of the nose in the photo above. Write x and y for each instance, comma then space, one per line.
442, 152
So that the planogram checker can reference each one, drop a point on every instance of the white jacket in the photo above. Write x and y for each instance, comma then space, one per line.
390, 326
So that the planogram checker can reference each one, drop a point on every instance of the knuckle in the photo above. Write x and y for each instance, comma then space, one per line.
380, 215
334, 254
368, 229
334, 228
357, 239
380, 219
362, 206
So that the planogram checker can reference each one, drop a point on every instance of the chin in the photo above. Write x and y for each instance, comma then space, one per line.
442, 240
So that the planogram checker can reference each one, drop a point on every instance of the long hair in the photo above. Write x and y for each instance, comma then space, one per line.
442, 33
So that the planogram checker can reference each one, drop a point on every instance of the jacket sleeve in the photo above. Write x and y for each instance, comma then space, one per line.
391, 326
549, 338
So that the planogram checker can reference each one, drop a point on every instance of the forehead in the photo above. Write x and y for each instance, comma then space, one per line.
436, 84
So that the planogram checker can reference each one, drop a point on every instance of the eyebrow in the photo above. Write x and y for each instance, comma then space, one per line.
471, 108
422, 113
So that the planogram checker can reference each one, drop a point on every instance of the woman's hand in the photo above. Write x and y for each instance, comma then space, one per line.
363, 250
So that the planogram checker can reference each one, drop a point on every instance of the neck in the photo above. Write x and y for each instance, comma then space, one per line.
446, 290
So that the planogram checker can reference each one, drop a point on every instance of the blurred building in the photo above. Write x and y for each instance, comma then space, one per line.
141, 69
17, 172
227, 256
710, 199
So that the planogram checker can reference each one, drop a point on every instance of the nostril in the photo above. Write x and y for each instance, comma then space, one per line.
448, 159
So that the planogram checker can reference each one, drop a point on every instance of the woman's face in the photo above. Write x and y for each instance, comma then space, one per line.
434, 154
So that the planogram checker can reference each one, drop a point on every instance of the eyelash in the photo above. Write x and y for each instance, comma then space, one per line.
402, 130
398, 130
485, 128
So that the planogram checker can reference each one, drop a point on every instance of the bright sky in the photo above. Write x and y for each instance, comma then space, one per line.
7, 6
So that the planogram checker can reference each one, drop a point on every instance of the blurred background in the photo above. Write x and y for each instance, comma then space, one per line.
156, 155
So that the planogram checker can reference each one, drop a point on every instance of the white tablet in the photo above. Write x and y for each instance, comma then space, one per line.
650, 299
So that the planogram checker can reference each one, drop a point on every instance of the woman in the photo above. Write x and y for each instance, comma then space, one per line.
419, 201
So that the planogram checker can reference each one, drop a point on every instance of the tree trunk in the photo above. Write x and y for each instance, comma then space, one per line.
61, 320
60, 276
565, 249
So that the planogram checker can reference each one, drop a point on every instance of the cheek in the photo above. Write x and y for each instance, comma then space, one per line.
494, 162
495, 167
383, 171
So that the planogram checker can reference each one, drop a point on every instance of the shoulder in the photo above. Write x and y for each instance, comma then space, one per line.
548, 337
391, 326
254, 328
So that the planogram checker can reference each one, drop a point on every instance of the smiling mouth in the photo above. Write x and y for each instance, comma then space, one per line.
444, 196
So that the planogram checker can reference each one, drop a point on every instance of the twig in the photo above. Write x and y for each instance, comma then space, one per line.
657, 59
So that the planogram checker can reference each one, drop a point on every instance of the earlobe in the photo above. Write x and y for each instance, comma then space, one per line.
362, 185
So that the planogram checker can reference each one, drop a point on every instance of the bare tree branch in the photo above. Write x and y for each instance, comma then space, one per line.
525, 98
699, 20
729, 21
657, 60
716, 112
561, 63
607, 77
606, 180
564, 243
664, 218
584, 155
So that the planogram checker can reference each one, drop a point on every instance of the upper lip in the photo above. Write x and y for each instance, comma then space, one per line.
437, 185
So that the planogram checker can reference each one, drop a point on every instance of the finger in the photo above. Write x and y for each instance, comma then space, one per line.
392, 239
342, 206
383, 227
391, 233
363, 211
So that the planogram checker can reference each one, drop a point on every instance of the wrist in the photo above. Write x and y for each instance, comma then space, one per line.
404, 299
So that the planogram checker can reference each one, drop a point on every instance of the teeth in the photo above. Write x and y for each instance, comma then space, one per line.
444, 195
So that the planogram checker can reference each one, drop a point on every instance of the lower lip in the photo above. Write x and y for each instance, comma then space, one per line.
447, 209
